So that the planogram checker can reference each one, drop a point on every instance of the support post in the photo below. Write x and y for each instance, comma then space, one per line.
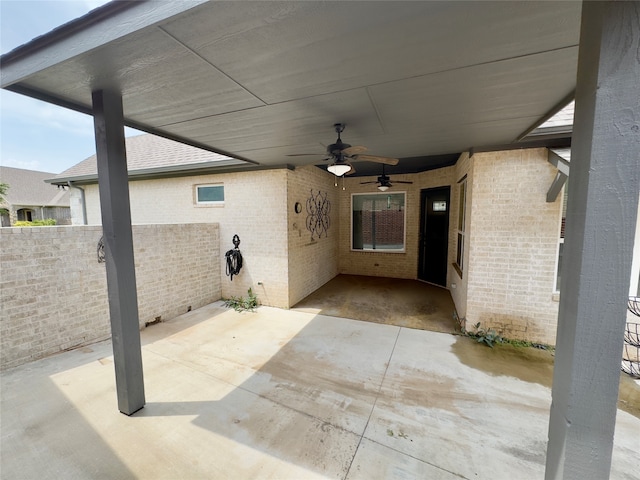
116, 226
601, 217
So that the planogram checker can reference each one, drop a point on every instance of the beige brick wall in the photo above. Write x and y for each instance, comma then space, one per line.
53, 293
513, 244
313, 260
253, 209
380, 264
458, 284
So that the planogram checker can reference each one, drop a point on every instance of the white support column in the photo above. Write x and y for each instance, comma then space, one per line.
601, 217
116, 226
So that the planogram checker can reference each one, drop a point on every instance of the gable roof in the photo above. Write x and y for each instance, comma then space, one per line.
151, 156
28, 188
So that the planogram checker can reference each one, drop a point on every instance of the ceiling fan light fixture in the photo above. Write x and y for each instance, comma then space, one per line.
383, 188
339, 169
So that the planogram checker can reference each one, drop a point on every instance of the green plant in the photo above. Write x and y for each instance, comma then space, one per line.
47, 222
241, 304
488, 337
4, 187
527, 344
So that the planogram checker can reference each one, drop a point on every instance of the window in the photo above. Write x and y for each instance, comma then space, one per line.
25, 215
378, 221
462, 208
209, 194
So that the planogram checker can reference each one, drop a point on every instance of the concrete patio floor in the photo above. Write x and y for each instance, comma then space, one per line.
291, 395
394, 301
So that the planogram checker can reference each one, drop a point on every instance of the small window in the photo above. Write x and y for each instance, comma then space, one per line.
378, 222
209, 194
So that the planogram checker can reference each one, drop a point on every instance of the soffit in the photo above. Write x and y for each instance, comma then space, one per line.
263, 80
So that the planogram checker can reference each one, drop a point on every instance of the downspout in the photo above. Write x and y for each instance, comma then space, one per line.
82, 201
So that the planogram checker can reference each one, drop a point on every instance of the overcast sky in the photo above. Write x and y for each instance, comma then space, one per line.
35, 135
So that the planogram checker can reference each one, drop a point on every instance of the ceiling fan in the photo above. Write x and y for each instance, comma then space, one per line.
384, 182
343, 154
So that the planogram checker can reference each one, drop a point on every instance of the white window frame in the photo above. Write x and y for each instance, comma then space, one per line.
462, 224
206, 203
404, 224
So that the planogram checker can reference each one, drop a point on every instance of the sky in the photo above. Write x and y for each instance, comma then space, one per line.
35, 135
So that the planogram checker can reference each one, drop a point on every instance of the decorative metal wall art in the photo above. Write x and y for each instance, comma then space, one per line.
101, 254
318, 209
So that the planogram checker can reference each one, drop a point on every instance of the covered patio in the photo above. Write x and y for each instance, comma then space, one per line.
261, 81
227, 398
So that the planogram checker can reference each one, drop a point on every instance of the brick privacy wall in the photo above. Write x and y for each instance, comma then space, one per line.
312, 263
458, 284
53, 293
513, 244
254, 209
381, 264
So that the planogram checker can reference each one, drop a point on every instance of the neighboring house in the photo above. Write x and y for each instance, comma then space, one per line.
502, 236
29, 198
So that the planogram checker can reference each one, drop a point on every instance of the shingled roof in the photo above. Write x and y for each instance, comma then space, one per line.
148, 156
28, 188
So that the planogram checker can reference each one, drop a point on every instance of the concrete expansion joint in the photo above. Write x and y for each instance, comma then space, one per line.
373, 407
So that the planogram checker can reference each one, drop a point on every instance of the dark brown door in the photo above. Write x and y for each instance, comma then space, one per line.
434, 235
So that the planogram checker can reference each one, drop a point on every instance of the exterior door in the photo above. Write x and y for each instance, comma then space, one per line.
434, 235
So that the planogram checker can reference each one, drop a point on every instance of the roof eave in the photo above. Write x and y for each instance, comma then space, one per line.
223, 166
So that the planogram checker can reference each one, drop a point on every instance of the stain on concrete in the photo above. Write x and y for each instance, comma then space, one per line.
535, 452
531, 365
393, 301
629, 395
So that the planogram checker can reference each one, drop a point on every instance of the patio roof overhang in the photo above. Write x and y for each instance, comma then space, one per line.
263, 80
420, 81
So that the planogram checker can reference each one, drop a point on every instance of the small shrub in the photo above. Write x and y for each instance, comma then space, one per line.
47, 222
491, 337
241, 304
488, 337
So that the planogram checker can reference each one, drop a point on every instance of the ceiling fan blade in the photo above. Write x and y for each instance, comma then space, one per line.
401, 181
352, 171
303, 154
376, 159
365, 183
355, 150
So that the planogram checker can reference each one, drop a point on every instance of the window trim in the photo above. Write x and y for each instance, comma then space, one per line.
461, 230
404, 225
212, 203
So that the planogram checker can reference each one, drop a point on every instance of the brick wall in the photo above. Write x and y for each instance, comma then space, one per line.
53, 293
313, 259
254, 207
282, 264
513, 244
458, 281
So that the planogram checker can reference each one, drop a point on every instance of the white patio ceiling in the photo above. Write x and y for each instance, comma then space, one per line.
263, 80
